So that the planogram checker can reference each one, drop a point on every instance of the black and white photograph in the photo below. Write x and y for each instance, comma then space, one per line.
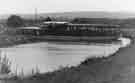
67, 41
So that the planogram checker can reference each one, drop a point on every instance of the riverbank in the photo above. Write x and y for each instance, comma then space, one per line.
12, 40
117, 68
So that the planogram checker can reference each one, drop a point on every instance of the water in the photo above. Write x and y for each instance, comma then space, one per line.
50, 56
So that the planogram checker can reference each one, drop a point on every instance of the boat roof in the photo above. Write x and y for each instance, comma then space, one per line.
55, 22
94, 25
75, 24
29, 28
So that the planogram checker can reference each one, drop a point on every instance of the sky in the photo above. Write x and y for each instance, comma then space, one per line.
48, 6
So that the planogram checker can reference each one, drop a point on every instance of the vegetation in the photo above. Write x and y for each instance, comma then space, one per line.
48, 19
36, 22
15, 21
4, 65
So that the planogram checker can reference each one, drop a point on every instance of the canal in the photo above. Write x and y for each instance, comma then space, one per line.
50, 56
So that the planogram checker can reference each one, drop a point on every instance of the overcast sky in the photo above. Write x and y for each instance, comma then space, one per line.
28, 6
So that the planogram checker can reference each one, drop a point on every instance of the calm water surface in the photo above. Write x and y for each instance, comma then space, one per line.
50, 56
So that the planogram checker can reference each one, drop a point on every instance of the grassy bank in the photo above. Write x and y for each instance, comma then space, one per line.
10, 38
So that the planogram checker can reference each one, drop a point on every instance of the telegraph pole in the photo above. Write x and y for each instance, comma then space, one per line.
36, 15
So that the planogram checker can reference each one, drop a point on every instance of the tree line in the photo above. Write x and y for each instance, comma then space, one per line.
18, 21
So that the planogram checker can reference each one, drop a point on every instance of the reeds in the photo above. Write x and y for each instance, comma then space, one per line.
22, 75
5, 65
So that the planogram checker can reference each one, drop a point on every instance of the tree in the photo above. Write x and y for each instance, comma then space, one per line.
15, 21
75, 20
48, 19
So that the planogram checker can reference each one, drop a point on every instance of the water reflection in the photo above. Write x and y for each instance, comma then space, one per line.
51, 56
